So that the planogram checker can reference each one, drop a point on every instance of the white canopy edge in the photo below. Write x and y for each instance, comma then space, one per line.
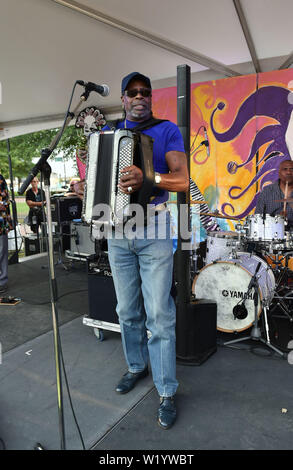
26, 126
12, 129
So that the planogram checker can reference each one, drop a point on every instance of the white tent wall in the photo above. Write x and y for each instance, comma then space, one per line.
48, 44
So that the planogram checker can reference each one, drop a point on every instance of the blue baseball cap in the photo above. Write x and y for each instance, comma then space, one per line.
131, 76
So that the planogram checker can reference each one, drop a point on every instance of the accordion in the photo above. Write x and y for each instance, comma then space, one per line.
108, 153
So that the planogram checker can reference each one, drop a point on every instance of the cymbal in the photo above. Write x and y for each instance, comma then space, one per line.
190, 202
220, 216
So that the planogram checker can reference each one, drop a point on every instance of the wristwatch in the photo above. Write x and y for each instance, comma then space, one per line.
158, 178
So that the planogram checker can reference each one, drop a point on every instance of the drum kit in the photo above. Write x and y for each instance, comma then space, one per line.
246, 273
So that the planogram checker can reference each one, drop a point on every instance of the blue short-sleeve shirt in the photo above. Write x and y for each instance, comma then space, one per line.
167, 137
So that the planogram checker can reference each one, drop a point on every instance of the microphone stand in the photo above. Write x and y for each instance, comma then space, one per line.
255, 331
45, 169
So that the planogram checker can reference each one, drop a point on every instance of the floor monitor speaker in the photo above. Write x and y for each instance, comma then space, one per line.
196, 335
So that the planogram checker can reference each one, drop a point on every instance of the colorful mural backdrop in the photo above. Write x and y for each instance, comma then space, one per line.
249, 128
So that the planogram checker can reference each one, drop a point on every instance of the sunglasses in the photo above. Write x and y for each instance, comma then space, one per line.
145, 92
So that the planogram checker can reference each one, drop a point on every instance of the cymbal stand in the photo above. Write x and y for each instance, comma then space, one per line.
281, 297
255, 331
281, 302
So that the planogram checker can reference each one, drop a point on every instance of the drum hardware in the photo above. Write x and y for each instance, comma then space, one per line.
282, 297
239, 311
282, 300
240, 229
281, 303
288, 242
279, 257
280, 266
275, 247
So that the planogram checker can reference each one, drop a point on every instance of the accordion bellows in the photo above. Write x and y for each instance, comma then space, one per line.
110, 152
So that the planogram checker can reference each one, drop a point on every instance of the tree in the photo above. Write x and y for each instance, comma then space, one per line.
24, 148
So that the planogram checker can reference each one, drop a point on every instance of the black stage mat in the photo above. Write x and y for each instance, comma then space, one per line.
28, 391
30, 281
239, 399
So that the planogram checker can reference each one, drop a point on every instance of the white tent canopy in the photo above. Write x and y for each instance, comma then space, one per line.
46, 45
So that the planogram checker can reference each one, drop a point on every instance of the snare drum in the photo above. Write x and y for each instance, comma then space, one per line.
265, 229
221, 244
226, 282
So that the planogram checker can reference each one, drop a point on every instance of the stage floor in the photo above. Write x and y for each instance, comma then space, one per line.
239, 399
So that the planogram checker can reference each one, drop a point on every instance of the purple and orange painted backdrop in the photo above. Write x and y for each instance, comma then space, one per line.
246, 120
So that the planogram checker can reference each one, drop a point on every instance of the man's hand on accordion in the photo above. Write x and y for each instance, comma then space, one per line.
131, 179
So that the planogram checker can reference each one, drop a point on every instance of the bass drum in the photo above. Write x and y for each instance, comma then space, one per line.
226, 282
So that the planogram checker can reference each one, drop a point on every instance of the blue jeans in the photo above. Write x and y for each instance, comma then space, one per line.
142, 271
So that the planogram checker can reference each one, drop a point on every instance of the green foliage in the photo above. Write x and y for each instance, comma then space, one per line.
24, 148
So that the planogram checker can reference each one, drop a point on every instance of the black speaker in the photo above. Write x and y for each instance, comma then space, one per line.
182, 258
31, 245
196, 333
65, 209
102, 297
183, 104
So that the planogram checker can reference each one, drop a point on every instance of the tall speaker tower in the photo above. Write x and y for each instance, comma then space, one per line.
196, 320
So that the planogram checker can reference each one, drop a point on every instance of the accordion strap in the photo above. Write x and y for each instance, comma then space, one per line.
148, 124
140, 127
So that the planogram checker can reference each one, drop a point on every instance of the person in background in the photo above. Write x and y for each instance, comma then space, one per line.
35, 199
269, 199
5, 226
79, 189
72, 188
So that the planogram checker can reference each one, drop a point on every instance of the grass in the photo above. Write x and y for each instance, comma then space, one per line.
22, 210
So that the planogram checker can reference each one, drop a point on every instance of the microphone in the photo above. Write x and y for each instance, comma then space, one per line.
207, 144
103, 90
